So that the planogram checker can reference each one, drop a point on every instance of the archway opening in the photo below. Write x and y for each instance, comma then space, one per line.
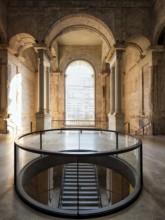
80, 94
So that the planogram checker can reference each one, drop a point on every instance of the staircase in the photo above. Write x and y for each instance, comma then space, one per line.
79, 187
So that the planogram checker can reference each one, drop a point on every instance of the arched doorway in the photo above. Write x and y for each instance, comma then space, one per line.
80, 94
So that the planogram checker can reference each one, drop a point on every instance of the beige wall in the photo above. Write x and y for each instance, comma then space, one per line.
137, 88
21, 95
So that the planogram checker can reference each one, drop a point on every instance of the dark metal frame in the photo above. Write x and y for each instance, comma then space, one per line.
80, 154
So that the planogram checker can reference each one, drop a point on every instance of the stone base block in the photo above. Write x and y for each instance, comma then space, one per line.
43, 121
116, 122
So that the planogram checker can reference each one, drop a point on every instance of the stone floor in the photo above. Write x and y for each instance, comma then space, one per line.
149, 206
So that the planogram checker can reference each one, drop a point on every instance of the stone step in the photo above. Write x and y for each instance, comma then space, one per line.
79, 169
82, 188
87, 193
79, 166
79, 207
79, 180
80, 203
79, 176
79, 197
79, 173
79, 187
75, 184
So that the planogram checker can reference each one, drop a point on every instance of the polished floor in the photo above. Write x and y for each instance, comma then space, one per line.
149, 206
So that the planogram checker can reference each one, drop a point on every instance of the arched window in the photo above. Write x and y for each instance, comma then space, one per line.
80, 93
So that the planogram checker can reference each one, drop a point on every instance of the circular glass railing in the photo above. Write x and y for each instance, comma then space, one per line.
78, 172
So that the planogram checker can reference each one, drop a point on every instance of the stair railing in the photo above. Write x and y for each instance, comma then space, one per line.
143, 128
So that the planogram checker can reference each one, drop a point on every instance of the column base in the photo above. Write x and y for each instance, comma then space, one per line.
116, 122
43, 121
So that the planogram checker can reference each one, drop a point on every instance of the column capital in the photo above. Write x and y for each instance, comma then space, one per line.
116, 49
39, 47
56, 73
103, 74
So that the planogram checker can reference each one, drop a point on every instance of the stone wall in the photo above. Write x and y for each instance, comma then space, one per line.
124, 18
21, 96
3, 21
92, 54
137, 79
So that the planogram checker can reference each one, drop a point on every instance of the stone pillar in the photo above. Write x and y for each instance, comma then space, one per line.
48, 90
116, 117
112, 90
41, 80
157, 70
43, 117
56, 100
3, 88
118, 84
103, 110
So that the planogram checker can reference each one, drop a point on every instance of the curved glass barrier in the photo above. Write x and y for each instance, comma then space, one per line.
78, 172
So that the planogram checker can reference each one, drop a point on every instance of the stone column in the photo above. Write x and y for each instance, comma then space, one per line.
103, 110
43, 117
41, 80
112, 90
157, 92
3, 88
116, 117
48, 90
118, 83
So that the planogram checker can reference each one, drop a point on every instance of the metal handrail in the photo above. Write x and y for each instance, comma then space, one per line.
143, 128
56, 153
80, 123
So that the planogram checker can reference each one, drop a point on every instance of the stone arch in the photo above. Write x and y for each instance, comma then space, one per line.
79, 56
137, 47
20, 42
77, 22
141, 43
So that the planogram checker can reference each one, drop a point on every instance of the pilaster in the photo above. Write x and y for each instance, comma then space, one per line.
43, 116
116, 116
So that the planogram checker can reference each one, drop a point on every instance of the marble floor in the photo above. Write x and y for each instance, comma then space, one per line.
149, 206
